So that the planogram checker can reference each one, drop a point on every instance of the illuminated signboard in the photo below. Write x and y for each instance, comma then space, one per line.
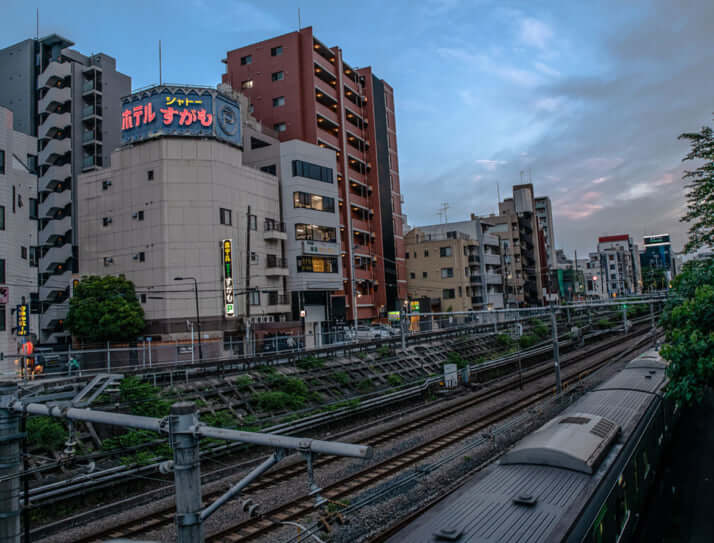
393, 316
414, 307
652, 240
179, 111
228, 293
23, 326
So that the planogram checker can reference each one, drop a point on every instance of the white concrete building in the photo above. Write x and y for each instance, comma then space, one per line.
620, 263
18, 231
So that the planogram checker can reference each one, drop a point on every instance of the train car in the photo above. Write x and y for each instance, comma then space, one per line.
582, 477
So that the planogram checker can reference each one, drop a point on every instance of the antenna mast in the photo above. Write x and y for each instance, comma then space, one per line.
161, 80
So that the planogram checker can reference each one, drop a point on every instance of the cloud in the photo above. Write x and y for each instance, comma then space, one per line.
547, 70
549, 104
600, 180
490, 165
487, 64
535, 33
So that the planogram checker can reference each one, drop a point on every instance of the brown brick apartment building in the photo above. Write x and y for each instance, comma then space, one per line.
305, 90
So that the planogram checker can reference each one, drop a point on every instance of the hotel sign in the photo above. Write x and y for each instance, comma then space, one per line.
179, 111
228, 291
23, 326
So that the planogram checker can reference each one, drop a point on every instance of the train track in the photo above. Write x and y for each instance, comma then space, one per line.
252, 529
165, 516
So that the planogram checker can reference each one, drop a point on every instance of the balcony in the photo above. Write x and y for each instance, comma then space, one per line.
55, 98
473, 259
493, 279
353, 96
90, 86
54, 201
325, 75
276, 266
475, 279
54, 72
477, 300
55, 255
357, 142
492, 260
274, 230
355, 118
357, 165
55, 175
361, 225
91, 137
328, 113
91, 161
357, 200
91, 111
277, 299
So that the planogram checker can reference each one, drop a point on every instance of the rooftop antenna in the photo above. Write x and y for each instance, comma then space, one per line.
299, 21
443, 211
498, 192
161, 81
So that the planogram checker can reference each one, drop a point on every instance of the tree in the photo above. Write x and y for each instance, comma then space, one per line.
653, 278
688, 321
700, 197
105, 309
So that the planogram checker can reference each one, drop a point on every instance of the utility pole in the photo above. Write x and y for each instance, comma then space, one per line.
624, 318
187, 472
247, 349
198, 316
402, 327
556, 350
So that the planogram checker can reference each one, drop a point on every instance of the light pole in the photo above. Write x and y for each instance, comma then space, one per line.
198, 317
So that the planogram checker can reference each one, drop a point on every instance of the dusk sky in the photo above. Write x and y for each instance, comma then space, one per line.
588, 97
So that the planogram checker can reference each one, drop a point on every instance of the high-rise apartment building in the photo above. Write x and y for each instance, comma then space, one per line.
620, 265
458, 265
306, 90
18, 233
544, 215
71, 102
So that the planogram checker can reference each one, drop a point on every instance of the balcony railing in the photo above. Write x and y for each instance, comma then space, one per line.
273, 261
273, 226
277, 299
474, 259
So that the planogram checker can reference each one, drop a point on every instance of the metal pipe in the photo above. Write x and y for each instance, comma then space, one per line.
245, 481
556, 351
187, 473
285, 442
10, 529
89, 415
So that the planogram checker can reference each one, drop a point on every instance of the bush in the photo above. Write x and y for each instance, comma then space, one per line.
243, 382
384, 351
365, 385
394, 380
603, 324
222, 419
142, 398
538, 328
289, 385
46, 433
277, 401
504, 340
342, 378
528, 340
455, 358
310, 363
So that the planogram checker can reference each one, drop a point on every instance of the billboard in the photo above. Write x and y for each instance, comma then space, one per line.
23, 324
179, 111
228, 291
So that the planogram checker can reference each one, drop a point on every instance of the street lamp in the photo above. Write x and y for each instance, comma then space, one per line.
198, 317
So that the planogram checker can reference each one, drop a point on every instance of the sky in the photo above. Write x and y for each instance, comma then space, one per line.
585, 99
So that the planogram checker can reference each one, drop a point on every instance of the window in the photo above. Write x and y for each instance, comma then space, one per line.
23, 253
406, 255
317, 264
254, 297
312, 171
106, 184
248, 59
3, 318
424, 275
412, 275
34, 214
451, 234
2, 162
426, 252
276, 51
253, 222
2, 270
459, 292
139, 215
2, 217
313, 232
280, 127
444, 251
448, 293
447, 272
255, 143
34, 256
253, 257
32, 163
313, 201
415, 254
251, 108
142, 297
150, 175
278, 76
224, 216
141, 257
247, 84
106, 221
279, 101
271, 169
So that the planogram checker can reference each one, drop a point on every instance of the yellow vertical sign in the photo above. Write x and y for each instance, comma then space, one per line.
228, 292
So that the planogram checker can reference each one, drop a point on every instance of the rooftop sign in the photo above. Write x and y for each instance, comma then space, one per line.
179, 111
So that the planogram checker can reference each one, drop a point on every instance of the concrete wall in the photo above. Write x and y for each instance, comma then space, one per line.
17, 85
20, 231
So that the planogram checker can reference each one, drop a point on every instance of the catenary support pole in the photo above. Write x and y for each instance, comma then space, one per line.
556, 350
402, 327
624, 318
187, 473
10, 530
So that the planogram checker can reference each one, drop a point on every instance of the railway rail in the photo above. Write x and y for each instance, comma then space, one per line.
165, 516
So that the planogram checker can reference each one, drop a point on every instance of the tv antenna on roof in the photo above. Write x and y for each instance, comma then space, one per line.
443, 212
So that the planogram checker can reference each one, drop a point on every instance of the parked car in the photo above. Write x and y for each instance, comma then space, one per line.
375, 331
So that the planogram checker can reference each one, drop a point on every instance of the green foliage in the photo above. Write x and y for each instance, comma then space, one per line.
504, 340
142, 398
384, 351
289, 385
653, 279
277, 401
310, 363
365, 385
394, 380
700, 185
361, 355
105, 309
538, 328
131, 438
527, 341
603, 324
45, 433
221, 419
138, 438
455, 358
342, 378
350, 404
688, 321
243, 382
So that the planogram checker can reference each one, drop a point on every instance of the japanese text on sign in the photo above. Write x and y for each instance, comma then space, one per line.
22, 322
228, 294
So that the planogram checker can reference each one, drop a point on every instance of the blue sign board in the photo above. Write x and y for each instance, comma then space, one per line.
179, 111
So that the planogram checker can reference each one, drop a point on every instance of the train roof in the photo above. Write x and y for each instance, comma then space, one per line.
544, 481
